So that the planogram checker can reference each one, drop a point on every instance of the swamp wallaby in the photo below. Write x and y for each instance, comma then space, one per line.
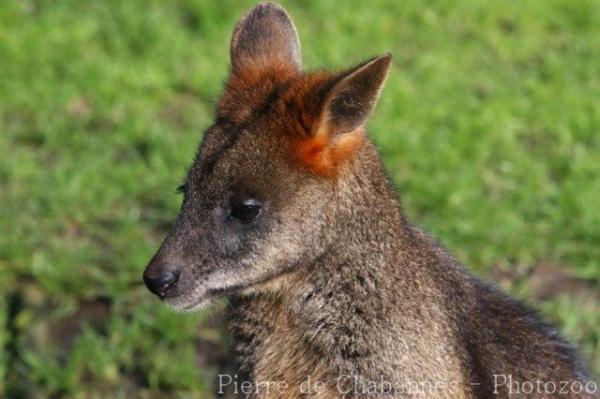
288, 212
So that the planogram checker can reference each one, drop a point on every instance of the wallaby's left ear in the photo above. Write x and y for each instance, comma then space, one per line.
352, 99
265, 36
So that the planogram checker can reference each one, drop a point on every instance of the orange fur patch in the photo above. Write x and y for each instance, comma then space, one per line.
324, 155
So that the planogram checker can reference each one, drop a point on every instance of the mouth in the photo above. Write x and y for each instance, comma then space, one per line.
180, 304
195, 299
199, 299
205, 293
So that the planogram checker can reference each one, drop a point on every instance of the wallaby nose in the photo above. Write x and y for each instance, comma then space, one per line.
160, 283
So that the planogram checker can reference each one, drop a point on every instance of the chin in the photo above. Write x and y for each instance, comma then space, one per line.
188, 304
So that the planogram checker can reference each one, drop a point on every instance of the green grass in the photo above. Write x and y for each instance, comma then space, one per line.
489, 126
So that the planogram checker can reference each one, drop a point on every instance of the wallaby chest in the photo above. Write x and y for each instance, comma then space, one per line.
273, 353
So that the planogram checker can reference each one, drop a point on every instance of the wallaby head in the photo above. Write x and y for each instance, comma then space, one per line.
259, 199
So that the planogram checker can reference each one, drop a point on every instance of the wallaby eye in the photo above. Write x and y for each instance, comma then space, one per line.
246, 212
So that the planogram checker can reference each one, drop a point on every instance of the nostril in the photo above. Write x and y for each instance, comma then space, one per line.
168, 280
160, 284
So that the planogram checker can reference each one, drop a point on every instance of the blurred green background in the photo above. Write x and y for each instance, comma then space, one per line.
489, 126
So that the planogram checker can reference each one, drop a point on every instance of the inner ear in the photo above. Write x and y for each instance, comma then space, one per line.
265, 36
348, 100
352, 99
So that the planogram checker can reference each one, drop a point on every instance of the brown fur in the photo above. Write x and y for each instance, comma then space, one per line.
309, 137
327, 280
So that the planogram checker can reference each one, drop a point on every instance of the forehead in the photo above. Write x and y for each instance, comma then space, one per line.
283, 99
237, 158
258, 120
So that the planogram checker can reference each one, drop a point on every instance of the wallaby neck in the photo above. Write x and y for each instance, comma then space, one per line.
368, 210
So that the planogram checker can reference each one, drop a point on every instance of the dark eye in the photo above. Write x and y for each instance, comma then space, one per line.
246, 212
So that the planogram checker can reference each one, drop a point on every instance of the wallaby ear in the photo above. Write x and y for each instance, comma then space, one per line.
265, 36
352, 99
349, 99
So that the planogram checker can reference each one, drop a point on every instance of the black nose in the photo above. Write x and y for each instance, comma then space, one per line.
162, 282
